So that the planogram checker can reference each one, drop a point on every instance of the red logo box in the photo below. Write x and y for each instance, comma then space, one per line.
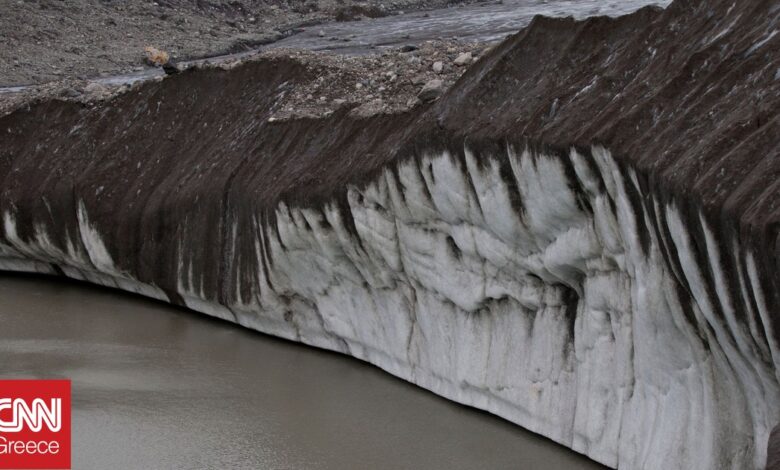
34, 424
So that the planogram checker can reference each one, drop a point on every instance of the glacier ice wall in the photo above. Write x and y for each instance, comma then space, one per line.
543, 286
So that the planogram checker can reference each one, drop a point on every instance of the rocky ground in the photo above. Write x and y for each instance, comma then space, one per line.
48, 40
390, 81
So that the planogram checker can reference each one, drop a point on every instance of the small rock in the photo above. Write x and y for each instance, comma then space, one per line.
418, 80
438, 66
413, 101
95, 88
358, 86
463, 59
321, 34
70, 93
409, 48
156, 56
432, 90
368, 109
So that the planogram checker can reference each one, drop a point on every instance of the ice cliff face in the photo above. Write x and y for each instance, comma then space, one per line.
580, 236
527, 282
519, 283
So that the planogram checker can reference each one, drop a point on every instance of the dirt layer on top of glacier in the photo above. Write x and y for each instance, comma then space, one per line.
687, 98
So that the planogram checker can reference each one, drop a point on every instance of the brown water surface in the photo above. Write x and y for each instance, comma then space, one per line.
157, 387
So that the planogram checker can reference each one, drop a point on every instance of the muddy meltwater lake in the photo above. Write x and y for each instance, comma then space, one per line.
155, 386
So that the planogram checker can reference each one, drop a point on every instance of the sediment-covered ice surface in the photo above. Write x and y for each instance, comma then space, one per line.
538, 284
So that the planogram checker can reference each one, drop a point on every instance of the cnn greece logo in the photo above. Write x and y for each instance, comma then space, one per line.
34, 424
